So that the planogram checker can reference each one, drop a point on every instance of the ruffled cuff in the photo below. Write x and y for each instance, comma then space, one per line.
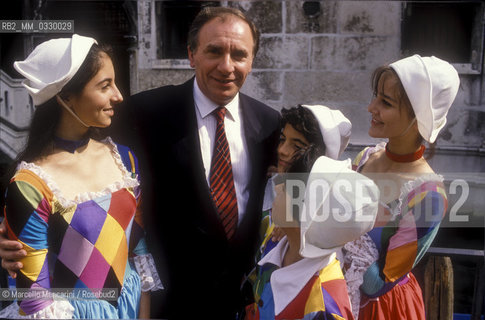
359, 255
145, 266
59, 309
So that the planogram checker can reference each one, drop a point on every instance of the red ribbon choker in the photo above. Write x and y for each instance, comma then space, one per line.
410, 157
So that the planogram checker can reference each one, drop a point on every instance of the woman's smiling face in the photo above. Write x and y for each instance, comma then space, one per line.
94, 105
389, 116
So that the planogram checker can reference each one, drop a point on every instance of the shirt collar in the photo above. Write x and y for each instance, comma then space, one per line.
287, 282
206, 106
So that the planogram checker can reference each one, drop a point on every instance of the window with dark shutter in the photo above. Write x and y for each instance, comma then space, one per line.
451, 31
173, 23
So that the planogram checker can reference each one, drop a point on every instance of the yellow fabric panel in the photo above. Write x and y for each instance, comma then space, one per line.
119, 262
315, 300
132, 161
442, 191
416, 199
359, 157
109, 239
400, 261
331, 272
66, 213
269, 230
33, 262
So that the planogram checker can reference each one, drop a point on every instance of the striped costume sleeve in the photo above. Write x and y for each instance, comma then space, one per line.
28, 207
419, 222
409, 239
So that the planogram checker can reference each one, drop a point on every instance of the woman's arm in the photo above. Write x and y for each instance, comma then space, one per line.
144, 305
418, 224
27, 211
143, 260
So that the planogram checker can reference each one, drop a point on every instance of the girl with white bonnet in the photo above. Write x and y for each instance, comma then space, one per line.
412, 97
307, 132
72, 201
300, 276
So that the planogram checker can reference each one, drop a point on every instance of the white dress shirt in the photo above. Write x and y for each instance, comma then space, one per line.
233, 124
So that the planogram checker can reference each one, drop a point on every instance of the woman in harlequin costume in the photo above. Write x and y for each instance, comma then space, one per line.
300, 276
73, 199
412, 97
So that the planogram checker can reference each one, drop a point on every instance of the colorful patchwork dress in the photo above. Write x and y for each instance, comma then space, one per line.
380, 262
267, 224
307, 289
84, 245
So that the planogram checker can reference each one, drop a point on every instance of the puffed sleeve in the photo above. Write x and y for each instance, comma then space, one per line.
28, 207
408, 240
360, 159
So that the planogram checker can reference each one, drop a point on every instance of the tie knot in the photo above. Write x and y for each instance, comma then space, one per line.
220, 114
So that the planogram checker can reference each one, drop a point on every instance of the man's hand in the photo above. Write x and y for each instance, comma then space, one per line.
272, 170
277, 234
10, 251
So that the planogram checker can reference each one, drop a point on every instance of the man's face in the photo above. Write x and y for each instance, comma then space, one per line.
223, 58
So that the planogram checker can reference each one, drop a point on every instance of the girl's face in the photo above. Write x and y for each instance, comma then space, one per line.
389, 116
291, 141
94, 105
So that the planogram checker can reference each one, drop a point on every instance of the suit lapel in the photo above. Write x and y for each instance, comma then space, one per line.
252, 131
252, 128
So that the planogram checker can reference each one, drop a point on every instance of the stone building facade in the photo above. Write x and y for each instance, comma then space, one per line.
324, 52
325, 57
311, 52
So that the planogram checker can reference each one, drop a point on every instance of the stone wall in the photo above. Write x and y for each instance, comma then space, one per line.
16, 110
325, 58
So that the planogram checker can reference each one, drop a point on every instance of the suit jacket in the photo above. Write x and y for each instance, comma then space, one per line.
200, 269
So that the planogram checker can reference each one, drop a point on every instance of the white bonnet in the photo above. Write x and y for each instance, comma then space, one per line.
431, 85
339, 206
52, 64
334, 127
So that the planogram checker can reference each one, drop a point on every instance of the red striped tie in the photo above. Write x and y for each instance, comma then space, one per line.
221, 180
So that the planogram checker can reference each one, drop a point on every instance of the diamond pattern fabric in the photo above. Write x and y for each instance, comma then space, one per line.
87, 242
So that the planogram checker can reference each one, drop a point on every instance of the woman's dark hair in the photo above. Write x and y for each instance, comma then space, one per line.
303, 121
46, 117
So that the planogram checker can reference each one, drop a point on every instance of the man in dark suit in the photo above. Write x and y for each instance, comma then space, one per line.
174, 131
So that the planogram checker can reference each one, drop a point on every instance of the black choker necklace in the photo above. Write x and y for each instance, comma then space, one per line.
70, 145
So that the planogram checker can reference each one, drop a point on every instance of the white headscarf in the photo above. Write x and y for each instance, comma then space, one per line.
345, 210
431, 85
52, 64
334, 127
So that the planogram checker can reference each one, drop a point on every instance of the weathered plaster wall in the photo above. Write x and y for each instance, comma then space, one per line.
16, 110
